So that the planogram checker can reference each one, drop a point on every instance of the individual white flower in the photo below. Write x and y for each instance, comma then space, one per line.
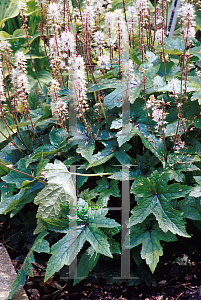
179, 105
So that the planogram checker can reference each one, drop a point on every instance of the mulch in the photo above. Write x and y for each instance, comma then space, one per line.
172, 280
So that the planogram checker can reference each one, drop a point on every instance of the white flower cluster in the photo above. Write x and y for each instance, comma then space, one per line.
19, 82
103, 62
54, 15
59, 108
132, 19
61, 48
4, 46
88, 17
110, 28
68, 42
142, 7
115, 28
22, 6
99, 39
158, 114
80, 85
179, 144
174, 86
121, 30
159, 36
187, 15
19, 74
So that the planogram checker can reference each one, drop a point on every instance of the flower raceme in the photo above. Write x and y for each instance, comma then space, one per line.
80, 85
19, 82
187, 15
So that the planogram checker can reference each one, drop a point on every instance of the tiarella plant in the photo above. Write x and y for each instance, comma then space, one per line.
93, 94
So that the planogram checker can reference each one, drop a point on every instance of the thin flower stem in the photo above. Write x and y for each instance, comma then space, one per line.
12, 169
146, 105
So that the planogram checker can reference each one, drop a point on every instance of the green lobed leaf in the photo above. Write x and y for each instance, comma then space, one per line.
149, 140
101, 157
150, 239
65, 250
114, 99
98, 240
19, 178
155, 196
191, 206
58, 136
54, 224
106, 190
87, 262
7, 196
60, 190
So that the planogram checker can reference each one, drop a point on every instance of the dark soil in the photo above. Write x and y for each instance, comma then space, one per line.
177, 276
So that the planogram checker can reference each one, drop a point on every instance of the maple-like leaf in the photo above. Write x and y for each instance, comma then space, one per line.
154, 198
60, 190
149, 237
